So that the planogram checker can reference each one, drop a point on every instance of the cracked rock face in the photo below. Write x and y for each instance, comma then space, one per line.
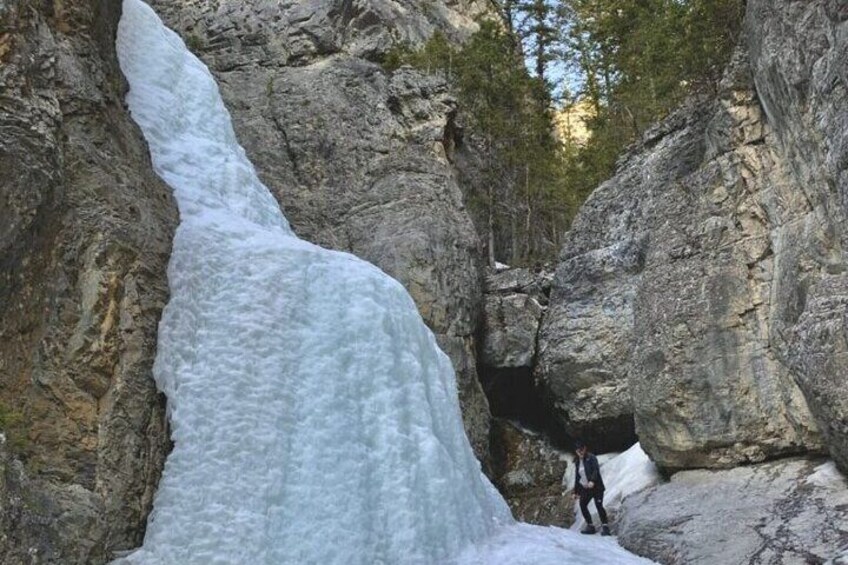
513, 307
702, 290
799, 55
780, 513
360, 159
235, 34
85, 235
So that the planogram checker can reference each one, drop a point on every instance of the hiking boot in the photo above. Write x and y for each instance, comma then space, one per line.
589, 529
605, 530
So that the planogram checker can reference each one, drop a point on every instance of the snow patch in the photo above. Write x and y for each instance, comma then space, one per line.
523, 544
827, 475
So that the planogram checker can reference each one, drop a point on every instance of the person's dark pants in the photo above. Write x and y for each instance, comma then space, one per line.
585, 496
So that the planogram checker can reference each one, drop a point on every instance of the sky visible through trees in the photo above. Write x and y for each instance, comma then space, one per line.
624, 64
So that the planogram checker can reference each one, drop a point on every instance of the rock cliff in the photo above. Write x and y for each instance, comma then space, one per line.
799, 55
359, 158
85, 232
700, 300
702, 290
513, 305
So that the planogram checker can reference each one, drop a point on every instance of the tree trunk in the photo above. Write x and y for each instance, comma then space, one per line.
528, 217
490, 224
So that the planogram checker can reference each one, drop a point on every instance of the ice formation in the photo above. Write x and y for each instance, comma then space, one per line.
314, 418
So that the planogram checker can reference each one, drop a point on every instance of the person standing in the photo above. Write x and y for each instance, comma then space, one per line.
588, 485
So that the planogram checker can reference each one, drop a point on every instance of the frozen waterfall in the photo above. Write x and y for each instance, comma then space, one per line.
314, 419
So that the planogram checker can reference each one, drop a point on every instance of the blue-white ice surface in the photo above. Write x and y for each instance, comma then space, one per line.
314, 418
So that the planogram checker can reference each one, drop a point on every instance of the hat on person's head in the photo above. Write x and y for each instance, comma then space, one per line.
578, 444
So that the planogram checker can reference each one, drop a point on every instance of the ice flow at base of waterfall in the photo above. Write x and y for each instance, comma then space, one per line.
314, 418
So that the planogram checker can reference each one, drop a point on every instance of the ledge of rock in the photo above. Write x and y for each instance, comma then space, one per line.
782, 512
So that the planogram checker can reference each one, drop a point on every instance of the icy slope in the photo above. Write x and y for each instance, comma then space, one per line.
314, 418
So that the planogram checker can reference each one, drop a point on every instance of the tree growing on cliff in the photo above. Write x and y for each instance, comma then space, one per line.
520, 208
631, 61
636, 60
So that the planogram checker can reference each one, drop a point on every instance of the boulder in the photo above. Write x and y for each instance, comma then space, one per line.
509, 329
513, 306
800, 82
701, 290
781, 512
585, 339
519, 280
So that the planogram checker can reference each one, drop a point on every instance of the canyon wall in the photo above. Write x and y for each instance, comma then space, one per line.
699, 303
702, 290
85, 236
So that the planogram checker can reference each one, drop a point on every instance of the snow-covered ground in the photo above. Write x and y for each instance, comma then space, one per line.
524, 544
314, 418
825, 475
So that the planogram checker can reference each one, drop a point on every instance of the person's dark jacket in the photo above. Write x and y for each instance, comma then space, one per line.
592, 468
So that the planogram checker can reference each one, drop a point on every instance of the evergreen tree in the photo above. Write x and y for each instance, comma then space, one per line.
638, 59
510, 116
635, 60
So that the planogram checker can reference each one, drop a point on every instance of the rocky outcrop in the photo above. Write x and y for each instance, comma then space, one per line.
359, 158
513, 304
529, 472
512, 312
705, 282
584, 342
45, 521
782, 512
85, 231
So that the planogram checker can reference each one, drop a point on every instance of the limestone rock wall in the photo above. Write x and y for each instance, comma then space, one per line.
360, 159
700, 297
514, 303
85, 231
702, 289
799, 54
